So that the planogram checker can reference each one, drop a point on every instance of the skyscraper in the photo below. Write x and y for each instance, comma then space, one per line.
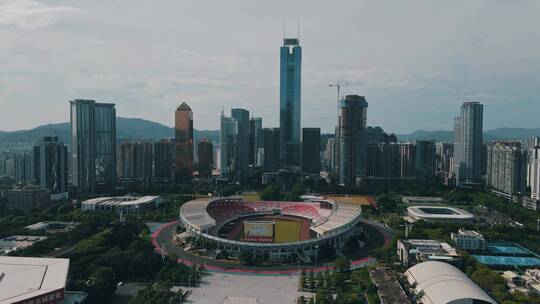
506, 168
271, 149
206, 155
289, 104
51, 164
311, 147
255, 139
229, 144
93, 145
242, 118
183, 134
468, 145
163, 159
352, 139
533, 147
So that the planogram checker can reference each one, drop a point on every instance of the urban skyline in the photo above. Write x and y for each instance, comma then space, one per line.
454, 68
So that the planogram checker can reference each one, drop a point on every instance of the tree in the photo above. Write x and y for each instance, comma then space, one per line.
271, 193
246, 258
298, 190
102, 286
342, 264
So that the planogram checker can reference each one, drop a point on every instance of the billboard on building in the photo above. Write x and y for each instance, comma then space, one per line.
259, 231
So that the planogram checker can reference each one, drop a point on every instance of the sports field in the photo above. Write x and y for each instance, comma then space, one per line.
351, 199
286, 228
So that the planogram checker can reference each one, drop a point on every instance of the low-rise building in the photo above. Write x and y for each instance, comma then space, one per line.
414, 251
27, 198
441, 283
124, 204
422, 200
33, 280
469, 240
531, 203
15, 242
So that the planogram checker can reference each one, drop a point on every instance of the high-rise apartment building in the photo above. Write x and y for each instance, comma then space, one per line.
533, 148
271, 149
206, 155
444, 154
383, 160
468, 145
136, 160
183, 134
163, 159
506, 168
93, 145
406, 154
229, 146
290, 102
329, 154
352, 139
243, 151
311, 147
424, 158
24, 167
51, 165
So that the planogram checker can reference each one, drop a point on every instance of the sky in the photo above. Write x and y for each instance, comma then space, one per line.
415, 61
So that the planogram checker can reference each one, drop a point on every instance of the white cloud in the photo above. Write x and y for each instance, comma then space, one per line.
31, 14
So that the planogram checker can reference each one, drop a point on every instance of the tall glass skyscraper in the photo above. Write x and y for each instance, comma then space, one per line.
242, 166
93, 145
468, 145
51, 164
289, 105
229, 145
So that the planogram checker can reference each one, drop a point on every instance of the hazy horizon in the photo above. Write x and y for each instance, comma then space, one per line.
415, 62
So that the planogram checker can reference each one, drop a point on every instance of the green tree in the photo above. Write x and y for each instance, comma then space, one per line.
298, 190
342, 264
272, 192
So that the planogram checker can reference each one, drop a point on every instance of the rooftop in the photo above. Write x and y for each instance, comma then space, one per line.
26, 278
183, 107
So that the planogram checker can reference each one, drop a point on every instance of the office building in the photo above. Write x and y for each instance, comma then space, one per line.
468, 145
243, 151
229, 146
290, 102
271, 149
28, 198
51, 165
136, 160
506, 168
256, 141
24, 167
535, 175
205, 152
424, 158
93, 145
183, 134
352, 139
163, 159
468, 240
311, 147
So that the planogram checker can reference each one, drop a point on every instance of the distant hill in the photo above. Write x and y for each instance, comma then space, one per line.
496, 134
126, 128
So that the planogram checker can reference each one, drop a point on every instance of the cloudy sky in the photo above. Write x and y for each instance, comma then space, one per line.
415, 61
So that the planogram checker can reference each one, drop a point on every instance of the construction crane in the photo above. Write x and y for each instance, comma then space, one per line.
340, 84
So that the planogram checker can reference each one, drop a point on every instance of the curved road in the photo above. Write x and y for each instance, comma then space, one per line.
162, 238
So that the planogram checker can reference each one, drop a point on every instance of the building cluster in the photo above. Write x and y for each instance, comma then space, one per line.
356, 155
526, 282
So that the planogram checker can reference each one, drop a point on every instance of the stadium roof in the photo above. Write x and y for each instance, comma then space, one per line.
25, 278
443, 283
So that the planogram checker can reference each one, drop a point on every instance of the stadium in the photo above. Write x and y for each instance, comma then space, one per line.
439, 214
278, 229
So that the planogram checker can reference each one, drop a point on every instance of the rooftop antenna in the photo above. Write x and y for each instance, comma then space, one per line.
283, 29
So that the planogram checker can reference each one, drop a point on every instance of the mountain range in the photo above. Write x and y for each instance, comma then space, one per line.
126, 128
137, 128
